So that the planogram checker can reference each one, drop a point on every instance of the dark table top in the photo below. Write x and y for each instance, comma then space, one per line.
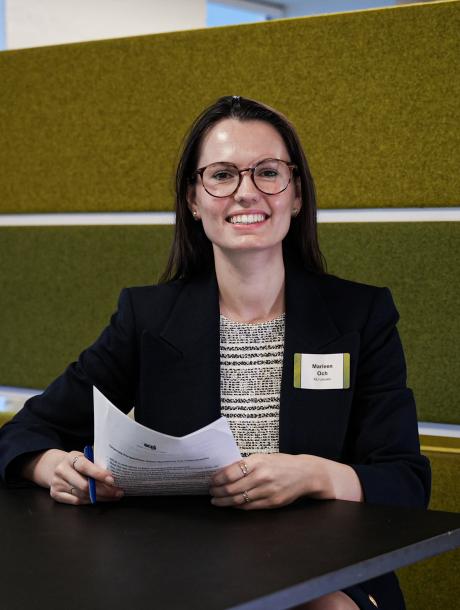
183, 553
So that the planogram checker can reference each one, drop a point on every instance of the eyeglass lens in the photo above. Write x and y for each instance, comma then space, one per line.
271, 176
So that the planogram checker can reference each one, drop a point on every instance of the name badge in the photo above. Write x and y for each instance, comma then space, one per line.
322, 371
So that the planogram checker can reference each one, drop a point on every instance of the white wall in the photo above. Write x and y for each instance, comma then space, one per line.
2, 25
32, 23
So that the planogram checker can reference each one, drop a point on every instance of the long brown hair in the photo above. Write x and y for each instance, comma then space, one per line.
191, 252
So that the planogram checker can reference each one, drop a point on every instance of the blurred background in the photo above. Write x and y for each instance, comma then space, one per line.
32, 23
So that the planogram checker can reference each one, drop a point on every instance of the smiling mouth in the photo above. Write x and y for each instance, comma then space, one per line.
247, 219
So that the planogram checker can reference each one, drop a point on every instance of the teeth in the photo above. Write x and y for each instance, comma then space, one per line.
247, 219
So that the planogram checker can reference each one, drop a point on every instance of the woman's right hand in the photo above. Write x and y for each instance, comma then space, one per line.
66, 475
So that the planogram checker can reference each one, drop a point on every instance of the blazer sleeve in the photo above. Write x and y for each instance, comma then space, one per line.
62, 417
383, 435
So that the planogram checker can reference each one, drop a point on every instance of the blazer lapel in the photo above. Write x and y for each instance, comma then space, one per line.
311, 421
184, 362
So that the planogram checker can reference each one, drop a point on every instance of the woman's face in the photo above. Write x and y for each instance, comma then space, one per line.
248, 219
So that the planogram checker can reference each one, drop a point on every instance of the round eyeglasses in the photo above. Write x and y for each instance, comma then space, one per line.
270, 176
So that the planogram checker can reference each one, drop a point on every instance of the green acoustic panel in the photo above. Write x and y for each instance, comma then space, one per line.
434, 584
58, 288
59, 285
446, 481
374, 94
419, 263
4, 417
440, 444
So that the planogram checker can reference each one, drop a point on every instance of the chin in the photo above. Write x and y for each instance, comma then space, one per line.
249, 245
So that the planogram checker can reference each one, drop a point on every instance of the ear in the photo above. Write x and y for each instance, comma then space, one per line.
298, 194
191, 203
298, 187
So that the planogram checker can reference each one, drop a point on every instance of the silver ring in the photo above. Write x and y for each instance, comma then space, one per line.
246, 496
244, 468
73, 462
71, 491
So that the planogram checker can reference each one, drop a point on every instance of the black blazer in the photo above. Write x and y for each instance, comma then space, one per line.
160, 353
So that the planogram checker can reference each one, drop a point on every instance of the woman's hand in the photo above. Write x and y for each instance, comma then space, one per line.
276, 479
66, 476
332, 601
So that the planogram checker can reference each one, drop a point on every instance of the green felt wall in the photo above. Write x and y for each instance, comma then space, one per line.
4, 417
434, 584
59, 286
96, 126
419, 262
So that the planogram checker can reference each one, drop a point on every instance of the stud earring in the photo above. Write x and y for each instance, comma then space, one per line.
295, 211
195, 215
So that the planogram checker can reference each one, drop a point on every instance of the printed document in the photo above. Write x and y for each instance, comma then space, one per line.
144, 462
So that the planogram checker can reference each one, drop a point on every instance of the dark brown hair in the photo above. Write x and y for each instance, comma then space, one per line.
191, 251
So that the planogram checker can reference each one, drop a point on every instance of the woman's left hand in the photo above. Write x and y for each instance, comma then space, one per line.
277, 479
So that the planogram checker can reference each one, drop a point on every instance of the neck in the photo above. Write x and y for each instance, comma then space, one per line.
251, 285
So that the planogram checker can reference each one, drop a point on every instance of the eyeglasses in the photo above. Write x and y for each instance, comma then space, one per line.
270, 176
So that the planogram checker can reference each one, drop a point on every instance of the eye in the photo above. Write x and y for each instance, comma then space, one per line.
222, 175
268, 173
220, 172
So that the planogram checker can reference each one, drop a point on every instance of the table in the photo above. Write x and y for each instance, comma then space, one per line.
182, 553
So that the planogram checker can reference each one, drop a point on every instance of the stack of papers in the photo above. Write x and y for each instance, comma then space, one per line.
144, 462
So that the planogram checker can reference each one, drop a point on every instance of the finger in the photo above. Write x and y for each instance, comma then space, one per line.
80, 487
67, 477
225, 476
88, 469
234, 472
108, 493
243, 497
258, 504
68, 496
236, 500
233, 489
81, 483
267, 501
85, 467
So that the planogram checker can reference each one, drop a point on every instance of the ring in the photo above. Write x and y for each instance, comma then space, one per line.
244, 468
71, 491
246, 496
73, 463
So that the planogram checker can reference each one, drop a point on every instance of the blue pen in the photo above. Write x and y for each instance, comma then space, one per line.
88, 451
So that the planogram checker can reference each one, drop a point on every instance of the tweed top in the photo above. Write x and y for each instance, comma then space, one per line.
251, 360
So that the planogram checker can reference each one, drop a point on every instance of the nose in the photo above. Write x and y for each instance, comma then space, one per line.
247, 190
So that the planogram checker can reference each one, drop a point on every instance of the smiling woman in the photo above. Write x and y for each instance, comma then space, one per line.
248, 208
241, 133
308, 368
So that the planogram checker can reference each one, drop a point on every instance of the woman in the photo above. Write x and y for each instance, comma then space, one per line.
243, 298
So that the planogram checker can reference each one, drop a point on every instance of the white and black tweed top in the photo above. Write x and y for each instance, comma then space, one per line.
251, 360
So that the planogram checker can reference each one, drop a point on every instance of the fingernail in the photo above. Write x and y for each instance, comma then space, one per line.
109, 480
